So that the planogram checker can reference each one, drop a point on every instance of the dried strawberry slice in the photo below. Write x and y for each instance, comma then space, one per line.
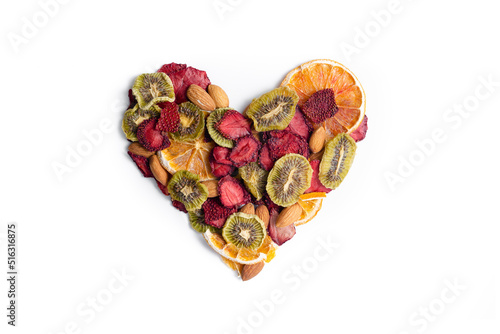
142, 163
316, 185
131, 98
245, 151
179, 206
215, 213
182, 77
221, 155
321, 106
152, 139
279, 235
283, 142
232, 192
265, 160
163, 188
299, 125
360, 133
233, 125
220, 170
169, 118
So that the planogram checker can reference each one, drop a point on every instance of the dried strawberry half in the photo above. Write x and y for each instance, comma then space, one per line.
232, 192
163, 189
216, 213
220, 170
233, 125
182, 77
245, 151
265, 160
142, 163
299, 125
279, 235
152, 140
284, 142
316, 185
321, 106
169, 118
221, 155
360, 133
179, 206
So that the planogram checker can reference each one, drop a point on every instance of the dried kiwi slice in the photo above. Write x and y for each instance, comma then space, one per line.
337, 160
273, 110
255, 179
152, 88
133, 118
186, 188
289, 178
214, 117
244, 231
197, 220
192, 123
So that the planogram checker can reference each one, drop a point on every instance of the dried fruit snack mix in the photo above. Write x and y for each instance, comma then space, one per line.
246, 180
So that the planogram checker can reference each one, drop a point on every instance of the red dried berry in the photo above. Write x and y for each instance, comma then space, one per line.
232, 192
321, 106
265, 160
279, 235
220, 170
233, 125
182, 77
316, 185
169, 119
132, 99
221, 155
215, 213
142, 163
163, 188
283, 142
360, 133
245, 151
179, 206
152, 139
299, 125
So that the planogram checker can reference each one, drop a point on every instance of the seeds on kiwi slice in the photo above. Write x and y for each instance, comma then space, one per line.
133, 118
289, 178
192, 123
273, 110
197, 221
152, 88
186, 188
255, 179
337, 160
244, 231
214, 117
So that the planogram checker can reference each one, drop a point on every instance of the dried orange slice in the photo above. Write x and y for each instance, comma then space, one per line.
230, 251
191, 156
311, 204
268, 247
350, 98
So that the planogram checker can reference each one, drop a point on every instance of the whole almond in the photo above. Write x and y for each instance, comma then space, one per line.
317, 141
200, 97
263, 213
138, 149
289, 215
249, 271
212, 188
219, 96
248, 209
157, 169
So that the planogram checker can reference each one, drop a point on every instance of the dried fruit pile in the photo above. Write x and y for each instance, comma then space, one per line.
246, 180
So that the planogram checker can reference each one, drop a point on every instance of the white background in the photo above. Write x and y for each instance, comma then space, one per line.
397, 246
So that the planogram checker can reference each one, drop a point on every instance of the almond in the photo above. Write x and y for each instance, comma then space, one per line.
263, 213
317, 141
219, 96
200, 97
138, 149
157, 169
212, 187
248, 209
249, 271
289, 215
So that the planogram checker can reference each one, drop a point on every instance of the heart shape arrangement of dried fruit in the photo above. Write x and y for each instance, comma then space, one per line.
246, 180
